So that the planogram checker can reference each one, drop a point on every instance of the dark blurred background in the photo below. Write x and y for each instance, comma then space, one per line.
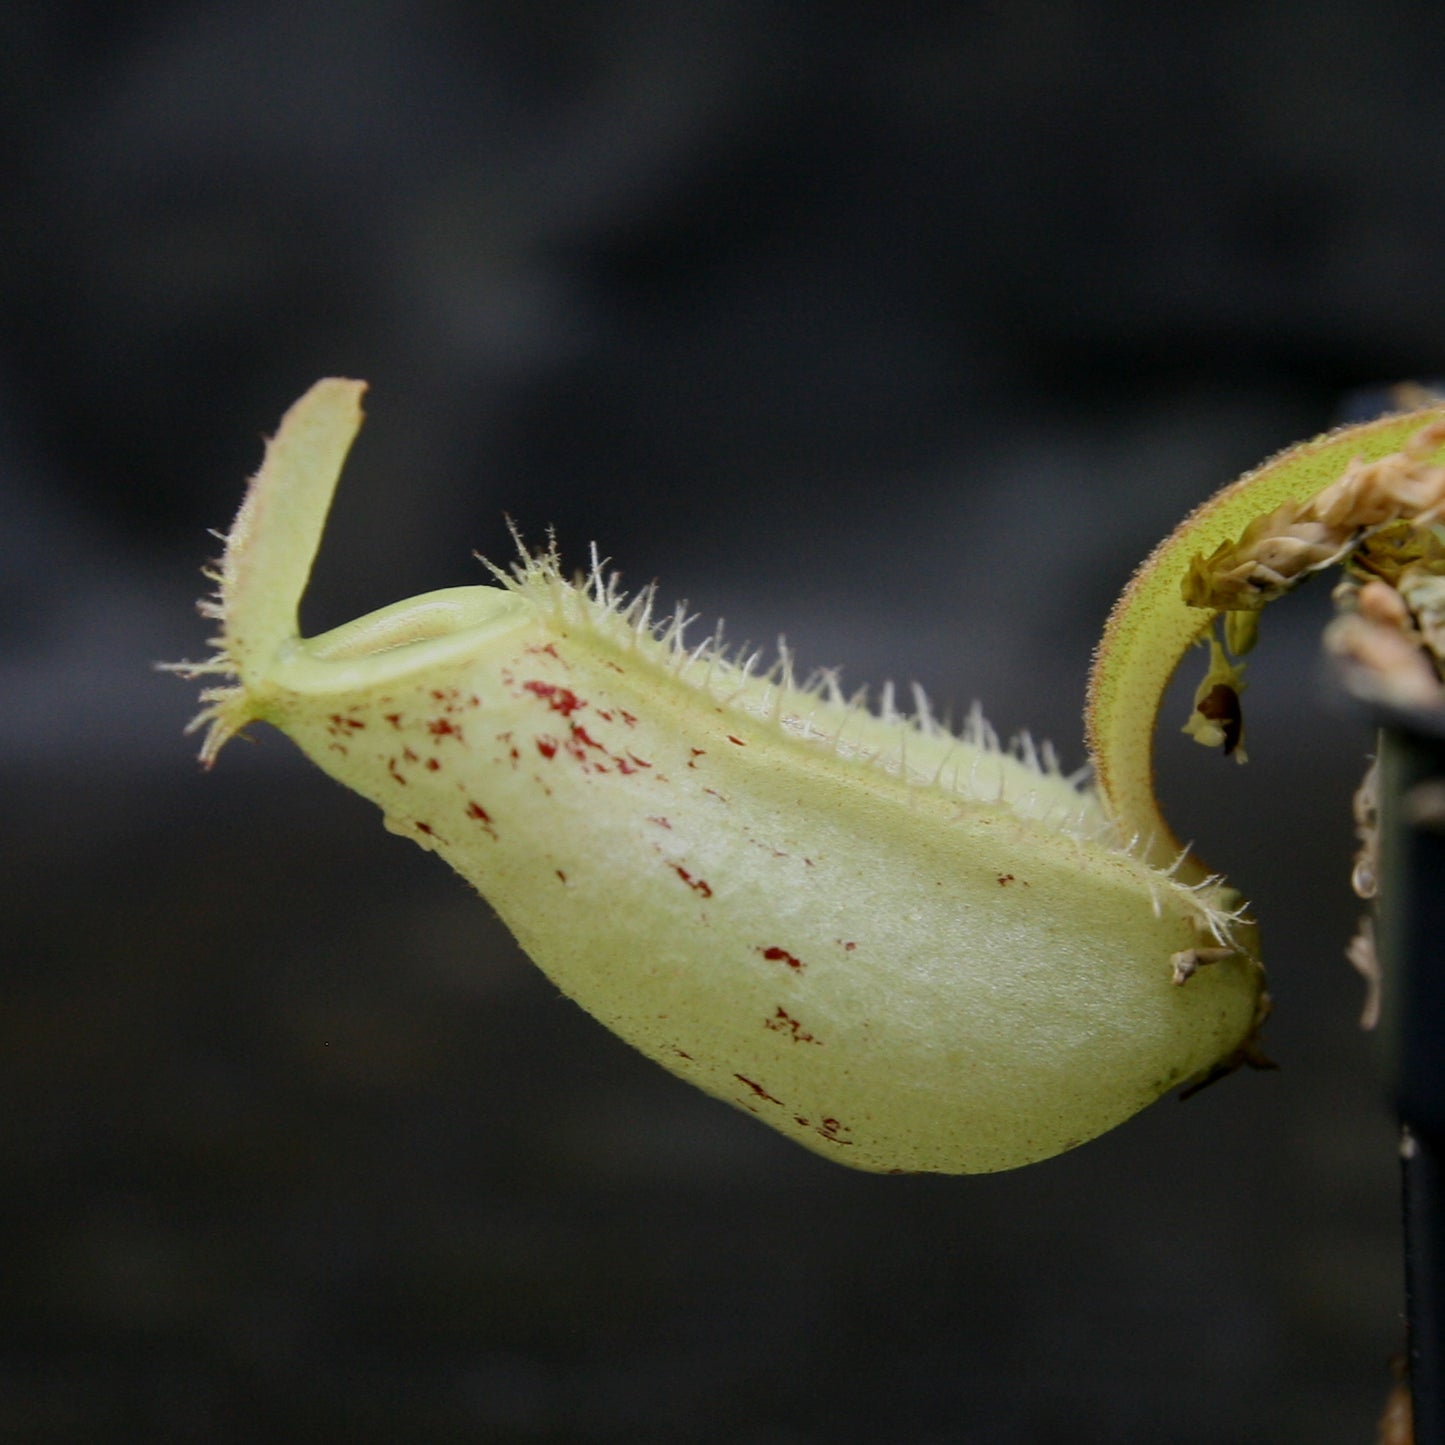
904, 329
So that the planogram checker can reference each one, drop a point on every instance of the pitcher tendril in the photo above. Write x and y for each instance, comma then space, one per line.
1379, 520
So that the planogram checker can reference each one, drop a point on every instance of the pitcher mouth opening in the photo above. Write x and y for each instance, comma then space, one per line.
382, 646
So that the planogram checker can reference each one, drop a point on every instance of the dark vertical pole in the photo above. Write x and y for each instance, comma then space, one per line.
1412, 946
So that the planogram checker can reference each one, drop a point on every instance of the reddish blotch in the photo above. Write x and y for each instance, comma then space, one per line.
774, 954
559, 699
758, 1089
698, 885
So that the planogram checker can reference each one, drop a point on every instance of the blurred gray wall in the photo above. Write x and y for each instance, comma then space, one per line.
904, 330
